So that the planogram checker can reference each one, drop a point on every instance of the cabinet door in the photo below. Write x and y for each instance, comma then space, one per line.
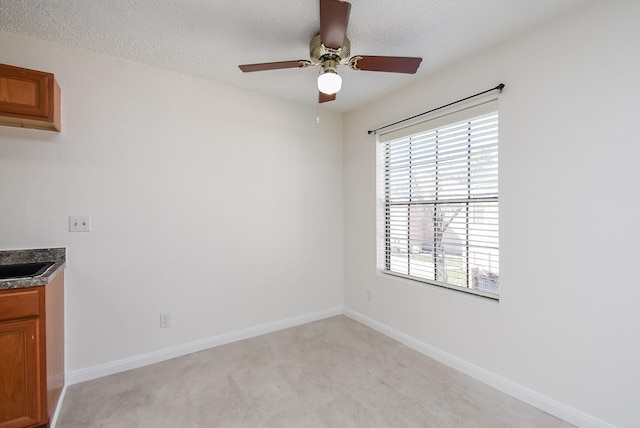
25, 92
29, 98
19, 374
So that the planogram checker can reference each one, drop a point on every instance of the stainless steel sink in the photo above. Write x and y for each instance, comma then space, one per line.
24, 270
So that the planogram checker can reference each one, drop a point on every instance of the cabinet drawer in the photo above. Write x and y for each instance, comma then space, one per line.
19, 304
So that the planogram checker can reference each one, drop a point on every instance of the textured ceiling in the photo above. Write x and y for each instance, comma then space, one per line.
209, 38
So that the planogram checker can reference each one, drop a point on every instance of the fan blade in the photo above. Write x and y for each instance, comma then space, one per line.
323, 98
391, 64
334, 18
274, 65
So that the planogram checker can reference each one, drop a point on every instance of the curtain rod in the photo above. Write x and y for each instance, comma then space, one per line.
497, 88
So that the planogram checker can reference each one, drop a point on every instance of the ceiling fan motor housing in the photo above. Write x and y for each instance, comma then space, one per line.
319, 53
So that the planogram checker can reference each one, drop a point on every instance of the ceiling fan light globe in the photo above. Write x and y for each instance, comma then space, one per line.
329, 82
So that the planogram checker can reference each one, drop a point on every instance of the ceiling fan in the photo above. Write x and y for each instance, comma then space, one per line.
331, 48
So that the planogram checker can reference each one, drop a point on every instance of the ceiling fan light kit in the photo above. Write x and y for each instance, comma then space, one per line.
329, 82
331, 47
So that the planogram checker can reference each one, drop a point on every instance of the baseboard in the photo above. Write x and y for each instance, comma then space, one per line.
56, 412
529, 396
137, 361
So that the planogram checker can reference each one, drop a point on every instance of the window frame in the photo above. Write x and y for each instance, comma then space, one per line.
468, 112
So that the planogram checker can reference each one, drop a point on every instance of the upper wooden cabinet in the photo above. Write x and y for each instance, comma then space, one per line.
29, 98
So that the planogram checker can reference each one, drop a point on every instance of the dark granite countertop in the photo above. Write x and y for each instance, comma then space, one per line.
9, 257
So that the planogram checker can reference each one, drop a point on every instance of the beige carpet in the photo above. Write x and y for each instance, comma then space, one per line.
331, 373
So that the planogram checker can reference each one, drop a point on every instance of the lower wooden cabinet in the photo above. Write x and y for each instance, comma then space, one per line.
31, 354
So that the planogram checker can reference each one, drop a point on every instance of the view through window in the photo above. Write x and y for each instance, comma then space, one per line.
440, 186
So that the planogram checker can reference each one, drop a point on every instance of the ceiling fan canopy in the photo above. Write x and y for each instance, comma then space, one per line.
331, 47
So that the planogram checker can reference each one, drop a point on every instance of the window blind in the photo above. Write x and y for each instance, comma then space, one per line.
440, 184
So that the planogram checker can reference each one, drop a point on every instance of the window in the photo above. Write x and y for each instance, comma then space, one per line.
438, 181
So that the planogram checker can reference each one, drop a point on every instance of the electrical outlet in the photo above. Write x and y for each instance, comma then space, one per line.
79, 223
165, 319
369, 295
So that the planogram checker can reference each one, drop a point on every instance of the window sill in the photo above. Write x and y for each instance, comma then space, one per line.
466, 290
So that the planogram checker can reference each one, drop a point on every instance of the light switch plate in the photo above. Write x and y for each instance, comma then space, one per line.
79, 223
165, 319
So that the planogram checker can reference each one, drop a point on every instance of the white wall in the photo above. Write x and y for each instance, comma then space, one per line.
568, 324
219, 205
